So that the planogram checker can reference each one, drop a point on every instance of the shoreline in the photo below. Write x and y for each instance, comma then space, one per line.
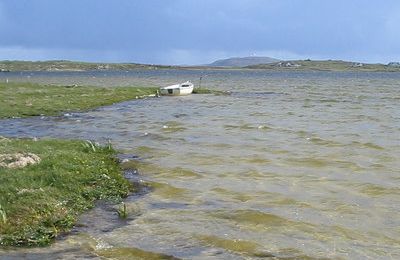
253, 68
7, 66
62, 160
35, 205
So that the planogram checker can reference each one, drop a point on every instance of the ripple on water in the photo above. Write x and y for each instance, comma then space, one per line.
258, 94
248, 127
181, 173
239, 196
324, 142
173, 126
152, 169
322, 162
234, 245
257, 159
374, 190
168, 191
253, 217
132, 253
367, 145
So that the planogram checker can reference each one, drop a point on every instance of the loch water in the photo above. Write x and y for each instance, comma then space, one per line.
288, 165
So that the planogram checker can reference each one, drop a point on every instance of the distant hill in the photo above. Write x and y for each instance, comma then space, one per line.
242, 62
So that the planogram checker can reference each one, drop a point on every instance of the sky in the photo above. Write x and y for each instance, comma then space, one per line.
189, 32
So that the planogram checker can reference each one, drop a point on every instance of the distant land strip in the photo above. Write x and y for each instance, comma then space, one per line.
273, 65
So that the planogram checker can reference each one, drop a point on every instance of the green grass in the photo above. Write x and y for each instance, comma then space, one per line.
28, 99
40, 201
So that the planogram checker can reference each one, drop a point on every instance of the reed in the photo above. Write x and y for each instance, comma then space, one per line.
122, 211
3, 215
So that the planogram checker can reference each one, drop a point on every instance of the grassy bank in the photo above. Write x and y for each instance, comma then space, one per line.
28, 99
40, 201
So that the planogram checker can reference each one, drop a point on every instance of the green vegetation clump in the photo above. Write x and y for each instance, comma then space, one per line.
40, 201
28, 99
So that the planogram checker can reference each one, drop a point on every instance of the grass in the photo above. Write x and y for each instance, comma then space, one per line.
40, 201
28, 99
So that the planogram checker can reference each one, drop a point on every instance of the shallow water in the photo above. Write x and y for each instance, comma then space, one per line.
289, 165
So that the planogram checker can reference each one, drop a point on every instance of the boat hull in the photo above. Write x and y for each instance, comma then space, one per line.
177, 90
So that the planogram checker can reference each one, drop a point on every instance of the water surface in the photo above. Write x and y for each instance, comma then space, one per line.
301, 164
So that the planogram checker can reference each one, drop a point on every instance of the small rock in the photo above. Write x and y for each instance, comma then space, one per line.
18, 160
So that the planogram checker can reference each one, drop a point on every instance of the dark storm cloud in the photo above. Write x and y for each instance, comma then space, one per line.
189, 31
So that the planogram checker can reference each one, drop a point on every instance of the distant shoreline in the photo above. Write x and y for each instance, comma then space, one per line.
295, 65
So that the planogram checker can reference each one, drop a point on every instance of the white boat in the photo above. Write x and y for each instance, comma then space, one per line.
184, 88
